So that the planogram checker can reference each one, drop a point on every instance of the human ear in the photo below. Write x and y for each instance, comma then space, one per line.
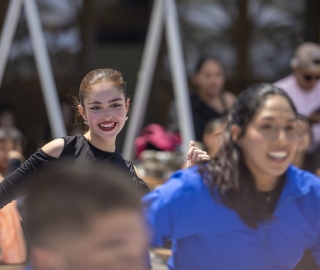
235, 133
82, 112
127, 105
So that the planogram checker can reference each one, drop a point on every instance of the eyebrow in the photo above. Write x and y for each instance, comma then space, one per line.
110, 101
273, 118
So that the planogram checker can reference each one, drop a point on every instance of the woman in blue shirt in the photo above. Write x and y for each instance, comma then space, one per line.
248, 208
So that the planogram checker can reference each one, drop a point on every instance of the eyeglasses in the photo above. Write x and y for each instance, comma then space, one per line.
310, 77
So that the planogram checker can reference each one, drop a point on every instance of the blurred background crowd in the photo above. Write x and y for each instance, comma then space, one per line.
254, 40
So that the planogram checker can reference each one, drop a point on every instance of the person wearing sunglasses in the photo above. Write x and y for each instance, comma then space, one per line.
303, 87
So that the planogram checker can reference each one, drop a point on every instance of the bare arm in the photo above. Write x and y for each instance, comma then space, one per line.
54, 148
137, 171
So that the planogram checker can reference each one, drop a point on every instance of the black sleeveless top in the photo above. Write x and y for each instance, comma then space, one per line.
76, 148
80, 149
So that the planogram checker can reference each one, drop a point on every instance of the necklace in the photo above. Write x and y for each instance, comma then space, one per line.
273, 195
267, 194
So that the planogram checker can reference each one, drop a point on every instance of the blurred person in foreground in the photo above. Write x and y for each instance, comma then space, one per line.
85, 216
303, 87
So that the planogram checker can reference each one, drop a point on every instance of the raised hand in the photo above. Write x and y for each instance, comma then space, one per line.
196, 155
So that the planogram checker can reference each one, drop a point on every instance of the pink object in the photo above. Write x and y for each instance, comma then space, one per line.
157, 136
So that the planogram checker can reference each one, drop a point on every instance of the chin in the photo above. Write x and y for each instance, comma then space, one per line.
280, 172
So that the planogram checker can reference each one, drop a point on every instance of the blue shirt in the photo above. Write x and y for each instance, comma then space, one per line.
208, 235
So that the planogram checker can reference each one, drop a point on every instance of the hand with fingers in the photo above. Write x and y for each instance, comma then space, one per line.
196, 155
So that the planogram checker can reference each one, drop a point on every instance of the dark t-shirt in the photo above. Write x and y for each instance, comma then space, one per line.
201, 114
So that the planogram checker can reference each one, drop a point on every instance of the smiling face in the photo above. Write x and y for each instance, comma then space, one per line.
269, 142
105, 110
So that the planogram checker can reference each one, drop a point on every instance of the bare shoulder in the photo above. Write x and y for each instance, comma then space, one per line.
54, 148
230, 98
137, 171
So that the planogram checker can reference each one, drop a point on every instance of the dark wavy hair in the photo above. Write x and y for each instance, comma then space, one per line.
227, 175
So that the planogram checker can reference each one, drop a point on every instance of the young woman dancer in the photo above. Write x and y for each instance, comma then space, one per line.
248, 208
103, 107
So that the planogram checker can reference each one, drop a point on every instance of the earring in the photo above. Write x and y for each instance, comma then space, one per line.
239, 145
85, 122
127, 118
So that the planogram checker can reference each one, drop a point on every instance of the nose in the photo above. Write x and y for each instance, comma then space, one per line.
282, 135
107, 114
279, 134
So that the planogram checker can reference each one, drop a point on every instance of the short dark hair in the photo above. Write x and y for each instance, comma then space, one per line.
213, 124
68, 195
204, 59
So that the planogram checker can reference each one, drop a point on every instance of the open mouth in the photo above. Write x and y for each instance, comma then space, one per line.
278, 156
108, 126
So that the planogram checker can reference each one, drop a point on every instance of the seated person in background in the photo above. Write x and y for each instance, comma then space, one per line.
12, 244
303, 87
209, 101
84, 216
212, 137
